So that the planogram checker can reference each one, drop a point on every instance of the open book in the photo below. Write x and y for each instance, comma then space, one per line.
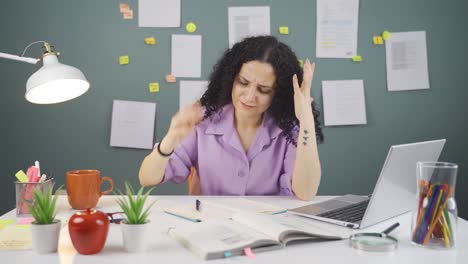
221, 208
218, 238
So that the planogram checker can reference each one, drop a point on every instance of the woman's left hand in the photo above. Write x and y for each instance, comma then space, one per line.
302, 98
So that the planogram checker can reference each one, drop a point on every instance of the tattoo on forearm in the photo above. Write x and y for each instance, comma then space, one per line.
305, 137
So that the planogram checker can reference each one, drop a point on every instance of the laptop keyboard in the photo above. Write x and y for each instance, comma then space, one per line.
352, 213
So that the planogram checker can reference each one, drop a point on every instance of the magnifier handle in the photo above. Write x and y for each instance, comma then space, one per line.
391, 228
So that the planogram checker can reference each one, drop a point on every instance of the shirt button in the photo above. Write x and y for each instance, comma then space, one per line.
241, 174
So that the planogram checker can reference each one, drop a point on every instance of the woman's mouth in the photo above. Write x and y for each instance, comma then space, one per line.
246, 105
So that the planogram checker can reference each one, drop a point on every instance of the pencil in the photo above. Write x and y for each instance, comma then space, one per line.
447, 218
421, 211
446, 239
447, 235
428, 234
427, 214
441, 193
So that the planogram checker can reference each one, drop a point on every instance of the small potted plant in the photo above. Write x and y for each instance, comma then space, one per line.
45, 229
135, 225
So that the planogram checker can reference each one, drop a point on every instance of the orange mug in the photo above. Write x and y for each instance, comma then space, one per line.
84, 188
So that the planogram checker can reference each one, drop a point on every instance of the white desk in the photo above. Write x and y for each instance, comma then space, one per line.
163, 249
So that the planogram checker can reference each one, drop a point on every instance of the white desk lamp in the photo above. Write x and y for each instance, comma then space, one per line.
54, 82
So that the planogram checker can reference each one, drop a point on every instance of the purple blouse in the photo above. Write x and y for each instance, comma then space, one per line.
214, 149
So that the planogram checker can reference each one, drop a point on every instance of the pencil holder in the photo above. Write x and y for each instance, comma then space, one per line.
25, 195
434, 222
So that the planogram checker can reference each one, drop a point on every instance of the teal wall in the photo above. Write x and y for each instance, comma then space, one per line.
92, 34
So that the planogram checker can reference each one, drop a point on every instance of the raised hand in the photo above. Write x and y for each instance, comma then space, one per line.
302, 98
183, 123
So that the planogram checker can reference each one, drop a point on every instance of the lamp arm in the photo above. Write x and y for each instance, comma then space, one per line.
18, 58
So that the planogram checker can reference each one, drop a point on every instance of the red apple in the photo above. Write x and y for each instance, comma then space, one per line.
88, 231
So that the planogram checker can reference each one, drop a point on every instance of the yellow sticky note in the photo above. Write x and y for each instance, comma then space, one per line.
128, 14
124, 60
154, 87
386, 35
14, 238
171, 78
7, 221
357, 58
301, 63
377, 40
150, 41
191, 27
21, 176
284, 30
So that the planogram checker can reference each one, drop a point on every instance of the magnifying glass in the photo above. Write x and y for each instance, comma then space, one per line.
377, 242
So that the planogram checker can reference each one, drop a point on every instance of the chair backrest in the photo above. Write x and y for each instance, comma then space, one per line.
193, 182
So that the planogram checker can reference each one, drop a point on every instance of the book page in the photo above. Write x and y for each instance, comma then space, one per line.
241, 204
211, 238
285, 228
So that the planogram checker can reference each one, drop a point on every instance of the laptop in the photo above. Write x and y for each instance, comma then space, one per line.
393, 194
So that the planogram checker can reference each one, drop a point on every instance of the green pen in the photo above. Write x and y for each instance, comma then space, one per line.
184, 217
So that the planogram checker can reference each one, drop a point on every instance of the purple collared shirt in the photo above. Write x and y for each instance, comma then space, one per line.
223, 165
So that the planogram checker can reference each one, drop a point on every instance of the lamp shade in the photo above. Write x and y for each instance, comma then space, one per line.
55, 82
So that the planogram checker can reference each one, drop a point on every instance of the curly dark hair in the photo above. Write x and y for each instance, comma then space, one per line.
265, 49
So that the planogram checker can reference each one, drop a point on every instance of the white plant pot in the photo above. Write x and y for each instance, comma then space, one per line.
45, 237
134, 236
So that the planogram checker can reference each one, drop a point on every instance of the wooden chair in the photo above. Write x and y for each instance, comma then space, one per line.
193, 182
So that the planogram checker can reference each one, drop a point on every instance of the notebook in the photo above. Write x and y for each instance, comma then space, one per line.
393, 194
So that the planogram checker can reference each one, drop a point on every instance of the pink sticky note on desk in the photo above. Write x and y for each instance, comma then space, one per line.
25, 221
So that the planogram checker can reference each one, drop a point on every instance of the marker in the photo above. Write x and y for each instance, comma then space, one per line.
43, 178
34, 174
38, 168
21, 176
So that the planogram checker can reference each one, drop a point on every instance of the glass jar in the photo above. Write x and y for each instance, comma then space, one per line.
434, 221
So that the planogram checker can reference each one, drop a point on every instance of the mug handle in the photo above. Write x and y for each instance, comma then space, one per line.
111, 182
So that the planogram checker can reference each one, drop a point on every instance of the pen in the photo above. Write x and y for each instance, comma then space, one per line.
391, 228
184, 217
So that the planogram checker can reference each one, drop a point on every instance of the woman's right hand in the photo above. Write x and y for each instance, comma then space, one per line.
182, 124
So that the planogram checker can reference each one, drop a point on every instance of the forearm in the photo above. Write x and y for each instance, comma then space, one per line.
154, 165
307, 171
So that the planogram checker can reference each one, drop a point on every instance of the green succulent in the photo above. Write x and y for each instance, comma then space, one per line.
42, 208
132, 204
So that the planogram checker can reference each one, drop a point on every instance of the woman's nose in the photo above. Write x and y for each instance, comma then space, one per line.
250, 95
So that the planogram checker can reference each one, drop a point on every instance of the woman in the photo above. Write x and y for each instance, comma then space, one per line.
254, 131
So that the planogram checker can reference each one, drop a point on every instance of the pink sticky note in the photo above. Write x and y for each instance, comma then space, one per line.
25, 221
248, 252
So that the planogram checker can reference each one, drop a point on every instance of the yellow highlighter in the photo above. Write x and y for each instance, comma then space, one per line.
21, 176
